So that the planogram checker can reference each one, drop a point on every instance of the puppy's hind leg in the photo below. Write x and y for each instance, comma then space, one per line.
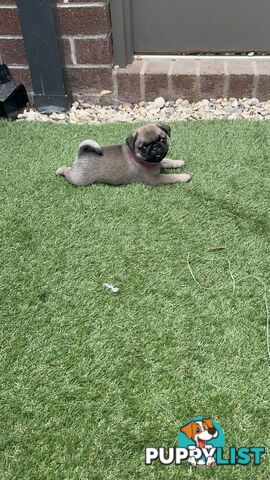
62, 171
74, 174
70, 175
87, 146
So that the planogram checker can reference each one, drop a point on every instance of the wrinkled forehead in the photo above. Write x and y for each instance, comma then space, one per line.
150, 133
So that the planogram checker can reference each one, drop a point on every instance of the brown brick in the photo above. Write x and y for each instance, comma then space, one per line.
212, 77
9, 22
96, 79
21, 75
156, 79
240, 78
263, 80
7, 2
128, 81
13, 51
94, 50
183, 80
84, 20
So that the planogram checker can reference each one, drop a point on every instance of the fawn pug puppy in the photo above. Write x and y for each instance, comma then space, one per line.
138, 160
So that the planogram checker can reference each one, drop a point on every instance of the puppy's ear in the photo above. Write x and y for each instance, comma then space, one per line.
166, 128
131, 139
189, 430
208, 422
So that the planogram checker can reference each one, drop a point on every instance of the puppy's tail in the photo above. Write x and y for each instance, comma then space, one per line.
89, 146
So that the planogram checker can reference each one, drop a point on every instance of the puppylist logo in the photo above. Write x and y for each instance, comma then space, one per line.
200, 443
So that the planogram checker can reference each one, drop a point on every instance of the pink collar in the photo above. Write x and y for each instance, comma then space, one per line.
141, 162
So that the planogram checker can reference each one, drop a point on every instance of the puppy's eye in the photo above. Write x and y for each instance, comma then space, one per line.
143, 148
162, 139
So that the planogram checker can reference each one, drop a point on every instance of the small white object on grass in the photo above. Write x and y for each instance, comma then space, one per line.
110, 287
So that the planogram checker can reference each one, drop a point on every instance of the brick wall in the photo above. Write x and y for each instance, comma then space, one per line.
87, 43
12, 49
85, 30
86, 38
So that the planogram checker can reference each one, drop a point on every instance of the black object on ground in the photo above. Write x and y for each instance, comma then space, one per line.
13, 99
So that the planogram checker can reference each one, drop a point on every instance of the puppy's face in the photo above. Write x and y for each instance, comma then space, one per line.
150, 143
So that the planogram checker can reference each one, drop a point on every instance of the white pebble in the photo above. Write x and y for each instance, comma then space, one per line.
110, 287
159, 110
159, 102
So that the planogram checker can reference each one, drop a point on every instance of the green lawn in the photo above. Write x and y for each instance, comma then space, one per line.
88, 378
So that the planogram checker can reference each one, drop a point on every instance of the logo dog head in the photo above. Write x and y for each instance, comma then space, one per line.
200, 431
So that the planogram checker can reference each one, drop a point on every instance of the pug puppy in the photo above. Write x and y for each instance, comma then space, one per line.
138, 160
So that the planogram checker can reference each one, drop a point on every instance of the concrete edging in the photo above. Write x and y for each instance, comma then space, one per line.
193, 79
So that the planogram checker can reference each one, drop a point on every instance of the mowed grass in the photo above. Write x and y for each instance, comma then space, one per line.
89, 379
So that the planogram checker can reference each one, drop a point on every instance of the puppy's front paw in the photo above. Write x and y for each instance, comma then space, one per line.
179, 163
184, 177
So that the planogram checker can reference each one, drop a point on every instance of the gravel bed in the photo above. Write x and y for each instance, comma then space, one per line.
159, 110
